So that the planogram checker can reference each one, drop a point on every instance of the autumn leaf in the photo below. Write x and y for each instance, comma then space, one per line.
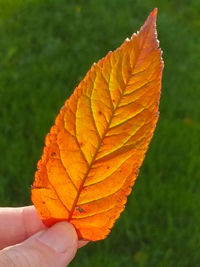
93, 152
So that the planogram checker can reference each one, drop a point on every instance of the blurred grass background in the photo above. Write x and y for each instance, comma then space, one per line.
46, 47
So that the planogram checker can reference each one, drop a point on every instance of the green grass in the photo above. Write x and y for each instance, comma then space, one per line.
46, 47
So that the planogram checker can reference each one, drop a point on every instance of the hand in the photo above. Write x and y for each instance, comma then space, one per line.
26, 242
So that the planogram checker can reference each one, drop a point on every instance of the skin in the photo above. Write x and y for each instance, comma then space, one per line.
25, 241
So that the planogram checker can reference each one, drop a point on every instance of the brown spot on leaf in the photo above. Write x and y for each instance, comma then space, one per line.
80, 209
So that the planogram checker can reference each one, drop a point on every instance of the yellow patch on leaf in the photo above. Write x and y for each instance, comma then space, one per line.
93, 152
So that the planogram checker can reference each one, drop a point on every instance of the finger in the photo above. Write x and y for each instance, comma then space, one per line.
55, 246
82, 243
17, 224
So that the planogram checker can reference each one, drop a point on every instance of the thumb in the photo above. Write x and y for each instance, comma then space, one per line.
55, 246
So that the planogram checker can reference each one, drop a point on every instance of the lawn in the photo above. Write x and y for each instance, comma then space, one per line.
46, 47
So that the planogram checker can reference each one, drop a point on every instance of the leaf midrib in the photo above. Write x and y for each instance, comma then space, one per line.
103, 136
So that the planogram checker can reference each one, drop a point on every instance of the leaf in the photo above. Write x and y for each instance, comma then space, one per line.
93, 152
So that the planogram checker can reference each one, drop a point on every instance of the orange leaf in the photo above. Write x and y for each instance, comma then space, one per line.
93, 152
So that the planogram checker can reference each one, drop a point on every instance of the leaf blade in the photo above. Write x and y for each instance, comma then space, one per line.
92, 154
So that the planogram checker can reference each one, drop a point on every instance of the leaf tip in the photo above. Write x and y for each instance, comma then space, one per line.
152, 16
154, 13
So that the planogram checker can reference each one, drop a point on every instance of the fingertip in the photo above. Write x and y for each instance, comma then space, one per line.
54, 246
82, 243
60, 237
